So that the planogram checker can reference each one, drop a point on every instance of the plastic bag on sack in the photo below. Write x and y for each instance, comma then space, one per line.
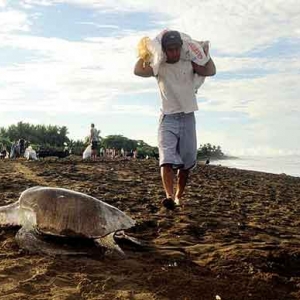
150, 52
143, 52
87, 152
198, 52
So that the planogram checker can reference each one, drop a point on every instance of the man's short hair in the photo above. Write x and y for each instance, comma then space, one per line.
171, 38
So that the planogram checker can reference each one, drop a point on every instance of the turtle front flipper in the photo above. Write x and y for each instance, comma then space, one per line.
109, 244
29, 240
122, 236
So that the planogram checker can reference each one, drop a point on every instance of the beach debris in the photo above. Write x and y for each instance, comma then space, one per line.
56, 212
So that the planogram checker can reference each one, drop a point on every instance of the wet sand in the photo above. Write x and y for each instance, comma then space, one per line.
237, 235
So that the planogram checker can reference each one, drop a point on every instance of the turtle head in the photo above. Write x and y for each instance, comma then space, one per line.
9, 216
3, 221
13, 215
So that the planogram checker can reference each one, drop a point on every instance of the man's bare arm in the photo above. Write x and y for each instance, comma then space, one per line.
143, 69
209, 69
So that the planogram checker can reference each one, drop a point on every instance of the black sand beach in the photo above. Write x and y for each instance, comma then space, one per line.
237, 237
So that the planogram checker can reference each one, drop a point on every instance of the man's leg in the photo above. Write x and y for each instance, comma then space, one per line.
167, 176
188, 152
168, 134
182, 177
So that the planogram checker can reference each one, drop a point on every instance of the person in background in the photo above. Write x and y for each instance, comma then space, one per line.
22, 146
102, 152
14, 151
3, 152
94, 139
122, 152
177, 128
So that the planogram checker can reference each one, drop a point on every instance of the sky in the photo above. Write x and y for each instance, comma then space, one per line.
70, 63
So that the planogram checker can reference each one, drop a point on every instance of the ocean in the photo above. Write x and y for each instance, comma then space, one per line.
289, 165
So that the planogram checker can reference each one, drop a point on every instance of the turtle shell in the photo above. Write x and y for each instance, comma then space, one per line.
65, 212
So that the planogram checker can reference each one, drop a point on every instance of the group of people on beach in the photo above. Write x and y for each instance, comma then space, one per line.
17, 149
3, 152
110, 153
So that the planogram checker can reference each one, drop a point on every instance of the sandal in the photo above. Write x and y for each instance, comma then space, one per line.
168, 203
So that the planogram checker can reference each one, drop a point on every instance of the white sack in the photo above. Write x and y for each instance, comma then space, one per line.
30, 153
191, 51
87, 152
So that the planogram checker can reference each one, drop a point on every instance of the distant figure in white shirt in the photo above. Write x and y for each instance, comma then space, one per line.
94, 138
177, 128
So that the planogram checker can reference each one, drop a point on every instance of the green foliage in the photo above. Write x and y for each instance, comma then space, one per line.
119, 142
5, 143
45, 136
55, 137
144, 149
77, 147
209, 151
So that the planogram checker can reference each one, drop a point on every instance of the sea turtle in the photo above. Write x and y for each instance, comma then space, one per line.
57, 212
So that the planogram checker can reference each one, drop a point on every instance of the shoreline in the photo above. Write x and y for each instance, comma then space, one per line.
273, 165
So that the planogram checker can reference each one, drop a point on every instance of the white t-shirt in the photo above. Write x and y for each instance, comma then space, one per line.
176, 85
94, 134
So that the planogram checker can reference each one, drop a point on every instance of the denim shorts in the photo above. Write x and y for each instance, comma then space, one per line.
177, 140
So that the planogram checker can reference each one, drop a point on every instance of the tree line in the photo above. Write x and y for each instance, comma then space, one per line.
56, 138
37, 135
207, 151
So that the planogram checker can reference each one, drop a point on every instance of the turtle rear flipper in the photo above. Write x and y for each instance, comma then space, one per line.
111, 247
29, 240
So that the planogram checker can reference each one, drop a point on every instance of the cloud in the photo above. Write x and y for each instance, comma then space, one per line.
31, 3
258, 97
233, 27
100, 25
83, 75
141, 110
12, 20
92, 74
